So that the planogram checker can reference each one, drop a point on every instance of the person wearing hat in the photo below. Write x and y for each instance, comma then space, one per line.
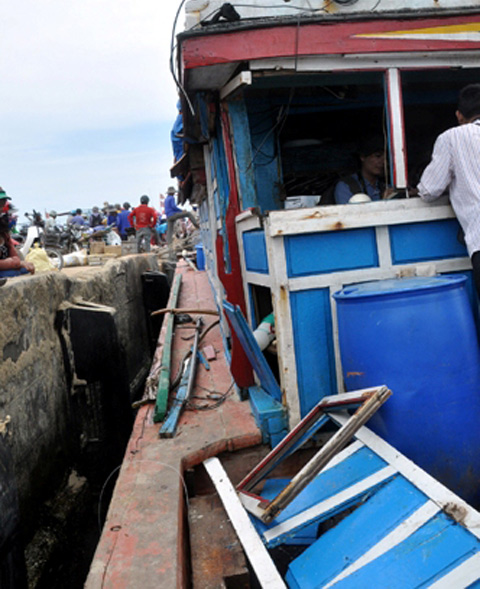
10, 262
51, 221
369, 179
173, 212
144, 219
96, 217
4, 205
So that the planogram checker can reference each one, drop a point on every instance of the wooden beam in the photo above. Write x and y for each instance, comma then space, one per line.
262, 564
327, 452
164, 378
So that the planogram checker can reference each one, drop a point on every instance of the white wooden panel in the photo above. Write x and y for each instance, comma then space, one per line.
463, 576
442, 496
369, 274
353, 216
383, 247
382, 61
395, 109
283, 326
267, 574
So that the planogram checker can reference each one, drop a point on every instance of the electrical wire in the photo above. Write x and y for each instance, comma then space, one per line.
173, 47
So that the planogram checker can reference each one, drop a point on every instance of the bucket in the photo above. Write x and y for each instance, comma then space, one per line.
200, 256
418, 337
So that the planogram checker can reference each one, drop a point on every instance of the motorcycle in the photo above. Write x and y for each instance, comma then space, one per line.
35, 233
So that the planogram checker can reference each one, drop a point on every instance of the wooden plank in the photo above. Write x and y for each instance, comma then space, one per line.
263, 566
303, 431
463, 575
349, 466
379, 513
395, 537
329, 507
459, 509
169, 426
216, 553
164, 377
184, 390
353, 216
365, 62
334, 445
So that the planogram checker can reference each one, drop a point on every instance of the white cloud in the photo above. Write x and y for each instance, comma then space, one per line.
87, 99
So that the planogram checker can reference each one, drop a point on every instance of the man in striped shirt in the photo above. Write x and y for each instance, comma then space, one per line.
455, 165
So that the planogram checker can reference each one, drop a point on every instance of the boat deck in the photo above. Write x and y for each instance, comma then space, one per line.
144, 538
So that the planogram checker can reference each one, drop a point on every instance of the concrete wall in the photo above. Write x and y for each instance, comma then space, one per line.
34, 398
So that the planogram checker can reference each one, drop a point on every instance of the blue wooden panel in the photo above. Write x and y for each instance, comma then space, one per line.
318, 253
424, 557
252, 350
353, 536
314, 353
419, 242
350, 471
266, 165
243, 151
270, 415
308, 534
255, 250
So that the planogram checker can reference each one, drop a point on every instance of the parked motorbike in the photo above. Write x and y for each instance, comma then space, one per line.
35, 233
67, 239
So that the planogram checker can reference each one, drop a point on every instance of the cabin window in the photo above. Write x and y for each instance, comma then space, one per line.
430, 101
317, 122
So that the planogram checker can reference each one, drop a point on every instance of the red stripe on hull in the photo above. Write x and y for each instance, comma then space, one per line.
317, 39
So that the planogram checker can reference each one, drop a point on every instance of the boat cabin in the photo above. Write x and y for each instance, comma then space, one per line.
274, 103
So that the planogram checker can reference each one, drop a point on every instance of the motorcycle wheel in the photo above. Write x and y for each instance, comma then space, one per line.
55, 257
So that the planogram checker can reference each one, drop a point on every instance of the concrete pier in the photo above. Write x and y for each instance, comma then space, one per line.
35, 393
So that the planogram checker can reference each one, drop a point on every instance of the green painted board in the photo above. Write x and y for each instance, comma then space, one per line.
164, 379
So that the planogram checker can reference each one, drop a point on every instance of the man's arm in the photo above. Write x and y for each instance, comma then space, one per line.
438, 174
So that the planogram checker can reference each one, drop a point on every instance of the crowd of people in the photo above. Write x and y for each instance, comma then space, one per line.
143, 222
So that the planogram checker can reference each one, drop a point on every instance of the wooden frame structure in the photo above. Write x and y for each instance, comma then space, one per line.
367, 402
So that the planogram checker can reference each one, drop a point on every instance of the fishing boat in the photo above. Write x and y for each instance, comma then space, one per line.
274, 101
350, 330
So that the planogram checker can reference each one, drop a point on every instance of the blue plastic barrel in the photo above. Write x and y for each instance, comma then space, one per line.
200, 256
418, 337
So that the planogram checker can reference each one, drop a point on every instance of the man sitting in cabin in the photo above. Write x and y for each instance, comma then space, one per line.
455, 165
369, 179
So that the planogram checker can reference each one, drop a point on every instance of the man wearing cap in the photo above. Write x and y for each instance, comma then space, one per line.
143, 218
369, 179
173, 212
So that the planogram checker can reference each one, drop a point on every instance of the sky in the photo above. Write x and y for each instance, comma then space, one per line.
87, 102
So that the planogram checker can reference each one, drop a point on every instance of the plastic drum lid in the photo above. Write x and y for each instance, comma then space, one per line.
399, 286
